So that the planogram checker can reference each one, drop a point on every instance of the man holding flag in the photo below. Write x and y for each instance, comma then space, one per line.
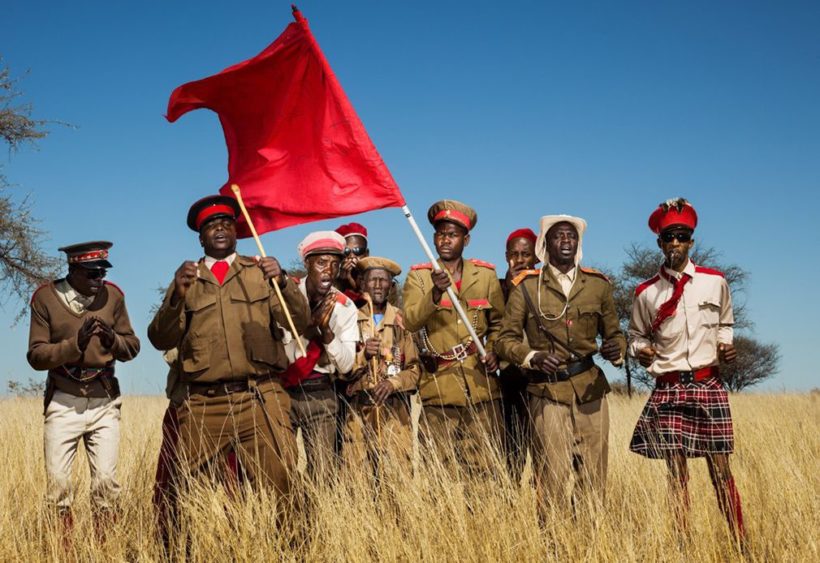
221, 313
459, 390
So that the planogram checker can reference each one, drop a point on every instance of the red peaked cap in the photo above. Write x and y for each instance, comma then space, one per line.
523, 233
671, 213
210, 207
351, 229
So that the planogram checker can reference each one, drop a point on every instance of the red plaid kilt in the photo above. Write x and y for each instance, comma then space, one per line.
692, 419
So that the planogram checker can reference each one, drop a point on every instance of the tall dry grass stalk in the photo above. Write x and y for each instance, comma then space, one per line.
434, 515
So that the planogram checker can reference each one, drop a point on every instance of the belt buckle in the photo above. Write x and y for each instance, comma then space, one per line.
459, 352
687, 377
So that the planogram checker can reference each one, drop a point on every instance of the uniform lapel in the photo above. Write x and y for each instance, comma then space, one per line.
205, 273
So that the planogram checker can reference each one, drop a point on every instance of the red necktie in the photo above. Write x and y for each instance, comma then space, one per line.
219, 269
668, 308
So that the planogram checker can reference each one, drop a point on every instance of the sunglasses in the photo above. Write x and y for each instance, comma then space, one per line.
681, 236
95, 274
355, 251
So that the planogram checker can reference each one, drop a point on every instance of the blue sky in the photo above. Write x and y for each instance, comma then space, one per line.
521, 109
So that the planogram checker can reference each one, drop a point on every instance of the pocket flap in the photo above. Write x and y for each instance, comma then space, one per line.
479, 304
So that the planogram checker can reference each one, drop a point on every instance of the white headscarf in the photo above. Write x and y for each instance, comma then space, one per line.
547, 222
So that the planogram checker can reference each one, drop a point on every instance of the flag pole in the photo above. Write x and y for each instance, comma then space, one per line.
275, 285
453, 298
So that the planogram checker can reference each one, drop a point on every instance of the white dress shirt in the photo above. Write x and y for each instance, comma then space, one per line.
687, 340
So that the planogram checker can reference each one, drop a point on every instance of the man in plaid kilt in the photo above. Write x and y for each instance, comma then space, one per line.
681, 328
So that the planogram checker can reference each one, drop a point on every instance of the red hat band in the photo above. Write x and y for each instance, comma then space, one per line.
209, 212
667, 215
88, 257
453, 215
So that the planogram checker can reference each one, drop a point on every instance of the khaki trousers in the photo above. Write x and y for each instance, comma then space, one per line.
370, 431
315, 413
97, 422
467, 438
570, 449
256, 424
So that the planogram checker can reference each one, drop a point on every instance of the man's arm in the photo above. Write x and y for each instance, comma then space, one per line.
610, 328
408, 378
639, 326
126, 345
296, 303
42, 353
418, 302
727, 316
168, 325
342, 349
510, 344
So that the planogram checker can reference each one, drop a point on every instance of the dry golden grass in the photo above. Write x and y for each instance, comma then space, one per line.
433, 517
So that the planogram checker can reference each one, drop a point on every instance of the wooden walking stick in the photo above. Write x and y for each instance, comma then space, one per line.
275, 285
374, 368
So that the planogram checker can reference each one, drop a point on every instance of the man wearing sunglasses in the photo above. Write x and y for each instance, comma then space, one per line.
680, 330
79, 329
355, 249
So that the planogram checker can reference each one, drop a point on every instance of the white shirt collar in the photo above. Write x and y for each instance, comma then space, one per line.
209, 261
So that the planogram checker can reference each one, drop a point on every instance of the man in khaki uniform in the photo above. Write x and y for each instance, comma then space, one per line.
567, 390
459, 390
79, 329
386, 370
222, 314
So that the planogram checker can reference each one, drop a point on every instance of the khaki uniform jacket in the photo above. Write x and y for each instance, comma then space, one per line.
228, 332
590, 311
52, 339
457, 383
396, 344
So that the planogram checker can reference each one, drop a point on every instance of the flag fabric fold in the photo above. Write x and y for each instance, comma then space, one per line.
296, 147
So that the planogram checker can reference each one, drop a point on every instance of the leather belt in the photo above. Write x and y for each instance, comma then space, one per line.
321, 383
223, 388
457, 353
684, 377
572, 369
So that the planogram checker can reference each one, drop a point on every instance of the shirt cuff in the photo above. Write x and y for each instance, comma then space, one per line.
527, 359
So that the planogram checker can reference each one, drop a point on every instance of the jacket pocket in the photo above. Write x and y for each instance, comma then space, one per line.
196, 354
588, 318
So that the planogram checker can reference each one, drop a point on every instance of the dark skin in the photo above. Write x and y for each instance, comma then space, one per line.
348, 268
322, 270
561, 244
450, 240
218, 239
676, 257
377, 283
520, 256
89, 282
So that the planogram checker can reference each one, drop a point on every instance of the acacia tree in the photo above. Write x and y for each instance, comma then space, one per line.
23, 263
756, 361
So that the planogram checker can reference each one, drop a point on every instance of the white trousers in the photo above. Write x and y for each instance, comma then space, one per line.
97, 422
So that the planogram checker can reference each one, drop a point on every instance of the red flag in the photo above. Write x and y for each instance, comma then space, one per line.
296, 147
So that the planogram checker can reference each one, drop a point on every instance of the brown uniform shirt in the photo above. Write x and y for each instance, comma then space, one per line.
52, 341
576, 320
228, 332
456, 383
400, 348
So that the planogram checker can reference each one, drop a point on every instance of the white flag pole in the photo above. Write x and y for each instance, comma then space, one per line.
406, 210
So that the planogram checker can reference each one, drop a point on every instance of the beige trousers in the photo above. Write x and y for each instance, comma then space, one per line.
570, 449
96, 421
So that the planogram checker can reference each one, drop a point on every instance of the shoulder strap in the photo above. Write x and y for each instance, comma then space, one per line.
553, 340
